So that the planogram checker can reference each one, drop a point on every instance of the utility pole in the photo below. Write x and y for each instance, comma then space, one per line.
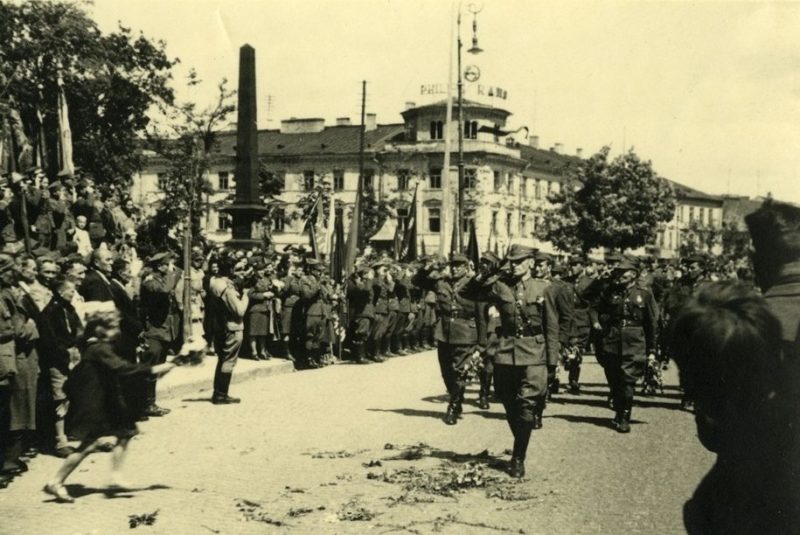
361, 142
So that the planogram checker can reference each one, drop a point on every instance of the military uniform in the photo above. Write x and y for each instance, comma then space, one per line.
527, 343
291, 317
313, 296
627, 315
457, 334
359, 295
162, 323
379, 339
227, 306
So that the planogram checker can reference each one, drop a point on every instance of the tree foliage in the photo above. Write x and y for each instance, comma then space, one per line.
374, 213
185, 143
110, 82
617, 204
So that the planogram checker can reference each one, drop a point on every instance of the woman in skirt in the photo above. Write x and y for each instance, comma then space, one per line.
97, 407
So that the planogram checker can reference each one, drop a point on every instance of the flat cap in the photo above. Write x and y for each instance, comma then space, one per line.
626, 265
540, 256
490, 258
520, 252
159, 258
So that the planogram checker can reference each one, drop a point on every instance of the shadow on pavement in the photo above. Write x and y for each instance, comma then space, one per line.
439, 415
600, 421
198, 400
638, 401
79, 491
604, 393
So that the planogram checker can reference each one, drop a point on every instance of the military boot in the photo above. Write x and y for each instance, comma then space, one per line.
451, 417
483, 396
624, 425
460, 400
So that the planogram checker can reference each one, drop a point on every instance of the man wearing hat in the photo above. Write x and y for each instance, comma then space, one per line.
382, 290
460, 331
527, 342
488, 264
627, 317
563, 296
291, 318
362, 312
313, 297
161, 316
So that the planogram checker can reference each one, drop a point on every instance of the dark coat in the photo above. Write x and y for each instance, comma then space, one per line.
130, 324
629, 319
162, 318
97, 406
95, 288
59, 330
459, 312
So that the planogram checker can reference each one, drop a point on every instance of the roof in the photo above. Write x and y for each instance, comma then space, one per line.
331, 140
467, 104
548, 160
683, 191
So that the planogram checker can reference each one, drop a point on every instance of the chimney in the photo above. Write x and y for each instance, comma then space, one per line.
579, 152
370, 122
343, 121
559, 148
533, 141
410, 105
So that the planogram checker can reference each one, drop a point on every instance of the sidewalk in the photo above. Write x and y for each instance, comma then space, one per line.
192, 379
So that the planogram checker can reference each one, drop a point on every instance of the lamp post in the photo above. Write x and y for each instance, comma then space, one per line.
475, 49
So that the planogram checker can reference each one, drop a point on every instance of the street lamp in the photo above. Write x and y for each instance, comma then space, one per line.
475, 49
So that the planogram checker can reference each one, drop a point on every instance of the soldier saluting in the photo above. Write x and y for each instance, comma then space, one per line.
527, 341
627, 318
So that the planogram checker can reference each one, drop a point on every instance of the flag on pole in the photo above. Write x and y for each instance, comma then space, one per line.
338, 251
397, 242
409, 250
473, 250
352, 234
327, 242
454, 239
64, 131
422, 247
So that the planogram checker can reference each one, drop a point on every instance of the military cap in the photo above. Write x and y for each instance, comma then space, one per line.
613, 257
55, 185
490, 258
6, 262
559, 268
311, 261
159, 258
64, 173
42, 252
458, 259
696, 258
16, 178
520, 252
626, 265
775, 230
540, 256
362, 269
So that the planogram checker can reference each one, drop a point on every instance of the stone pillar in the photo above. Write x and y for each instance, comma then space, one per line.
247, 208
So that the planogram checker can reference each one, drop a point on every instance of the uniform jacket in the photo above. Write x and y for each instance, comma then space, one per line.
564, 297
159, 307
381, 291
226, 305
359, 295
458, 308
8, 367
628, 316
528, 332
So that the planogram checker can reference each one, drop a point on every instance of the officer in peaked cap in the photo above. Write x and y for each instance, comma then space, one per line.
627, 318
527, 339
362, 312
487, 267
383, 290
459, 331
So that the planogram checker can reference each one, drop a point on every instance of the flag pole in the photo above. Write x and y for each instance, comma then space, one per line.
446, 193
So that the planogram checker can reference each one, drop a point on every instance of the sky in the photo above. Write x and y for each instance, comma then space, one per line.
708, 91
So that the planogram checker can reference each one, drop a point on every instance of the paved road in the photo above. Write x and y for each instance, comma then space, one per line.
292, 457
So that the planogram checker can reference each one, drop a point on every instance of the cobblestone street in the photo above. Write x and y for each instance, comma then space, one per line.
353, 449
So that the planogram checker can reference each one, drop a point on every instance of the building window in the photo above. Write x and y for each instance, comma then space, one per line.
711, 219
434, 219
435, 177
508, 224
523, 186
367, 179
161, 179
402, 218
467, 219
338, 180
278, 219
537, 192
470, 178
308, 180
223, 222
437, 130
679, 213
702, 215
523, 220
498, 181
691, 214
470, 129
669, 239
493, 228
223, 181
403, 176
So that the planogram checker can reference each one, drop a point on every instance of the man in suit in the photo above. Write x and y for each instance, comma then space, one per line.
96, 286
127, 344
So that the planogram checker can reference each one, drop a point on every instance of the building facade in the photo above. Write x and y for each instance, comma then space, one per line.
507, 177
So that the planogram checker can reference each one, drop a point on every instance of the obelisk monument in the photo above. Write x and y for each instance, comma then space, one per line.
247, 208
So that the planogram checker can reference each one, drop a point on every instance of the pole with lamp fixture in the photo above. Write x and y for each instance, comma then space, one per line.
474, 49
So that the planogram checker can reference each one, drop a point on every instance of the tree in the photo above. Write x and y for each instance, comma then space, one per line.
617, 204
699, 238
110, 82
184, 142
374, 214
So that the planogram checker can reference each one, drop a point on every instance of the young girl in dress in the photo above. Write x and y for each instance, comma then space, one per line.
97, 407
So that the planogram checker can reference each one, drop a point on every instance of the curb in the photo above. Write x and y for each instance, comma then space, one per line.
185, 381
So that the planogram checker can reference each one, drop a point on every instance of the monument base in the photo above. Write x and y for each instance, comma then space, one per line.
246, 225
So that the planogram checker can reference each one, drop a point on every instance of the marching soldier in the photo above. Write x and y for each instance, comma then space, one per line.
527, 343
627, 316
582, 324
488, 264
563, 295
